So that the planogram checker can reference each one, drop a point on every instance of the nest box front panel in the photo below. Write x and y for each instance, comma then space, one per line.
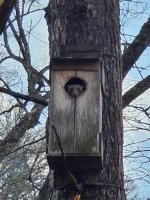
74, 109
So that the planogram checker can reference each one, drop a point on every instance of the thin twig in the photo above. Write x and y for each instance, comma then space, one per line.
73, 178
23, 96
23, 146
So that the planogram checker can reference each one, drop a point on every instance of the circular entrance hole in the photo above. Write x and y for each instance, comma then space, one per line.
75, 86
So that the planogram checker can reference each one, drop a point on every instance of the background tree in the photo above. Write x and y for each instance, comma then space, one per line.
22, 141
22, 121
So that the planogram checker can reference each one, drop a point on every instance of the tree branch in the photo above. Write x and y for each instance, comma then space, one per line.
70, 174
30, 120
8, 88
23, 146
25, 97
24, 43
139, 44
9, 110
44, 191
7, 46
40, 75
136, 91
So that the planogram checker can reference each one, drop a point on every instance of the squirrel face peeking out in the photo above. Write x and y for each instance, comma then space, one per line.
75, 87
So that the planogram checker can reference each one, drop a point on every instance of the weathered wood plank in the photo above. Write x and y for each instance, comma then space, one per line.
87, 114
61, 112
75, 64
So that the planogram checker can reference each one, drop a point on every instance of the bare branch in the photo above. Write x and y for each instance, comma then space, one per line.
30, 120
23, 146
136, 48
20, 103
25, 97
9, 110
44, 69
40, 75
23, 39
137, 151
17, 37
3, 59
136, 91
7, 46
44, 191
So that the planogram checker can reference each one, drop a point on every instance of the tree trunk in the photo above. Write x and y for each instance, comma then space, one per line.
90, 28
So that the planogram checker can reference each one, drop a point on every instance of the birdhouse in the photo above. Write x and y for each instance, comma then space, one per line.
75, 114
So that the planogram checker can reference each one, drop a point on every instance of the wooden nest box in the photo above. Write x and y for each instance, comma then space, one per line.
77, 80
75, 109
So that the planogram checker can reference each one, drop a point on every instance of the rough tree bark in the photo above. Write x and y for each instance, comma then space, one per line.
104, 35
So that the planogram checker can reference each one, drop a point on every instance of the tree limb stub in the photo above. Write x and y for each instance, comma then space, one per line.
136, 91
137, 47
25, 97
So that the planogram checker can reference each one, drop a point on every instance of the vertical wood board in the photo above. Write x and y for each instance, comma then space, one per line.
87, 114
61, 112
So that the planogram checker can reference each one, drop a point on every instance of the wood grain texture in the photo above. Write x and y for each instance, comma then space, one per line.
87, 114
61, 112
76, 119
